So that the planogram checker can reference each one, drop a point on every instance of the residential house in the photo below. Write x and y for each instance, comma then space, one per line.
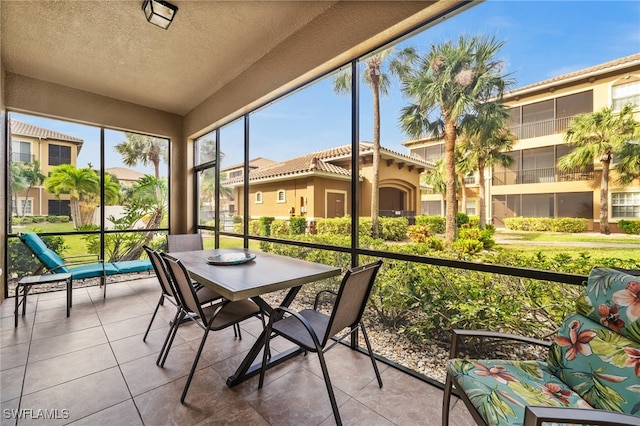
30, 144
318, 185
540, 113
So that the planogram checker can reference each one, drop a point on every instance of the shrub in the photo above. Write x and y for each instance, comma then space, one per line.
254, 227
484, 236
467, 246
335, 226
39, 219
461, 219
630, 226
436, 224
237, 219
279, 228
474, 222
298, 225
265, 225
560, 224
393, 228
419, 233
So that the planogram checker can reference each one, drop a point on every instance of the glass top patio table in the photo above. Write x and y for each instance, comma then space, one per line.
266, 273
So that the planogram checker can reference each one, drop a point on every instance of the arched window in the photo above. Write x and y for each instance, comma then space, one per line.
259, 197
281, 196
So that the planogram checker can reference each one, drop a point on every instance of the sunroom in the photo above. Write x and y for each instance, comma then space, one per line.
229, 84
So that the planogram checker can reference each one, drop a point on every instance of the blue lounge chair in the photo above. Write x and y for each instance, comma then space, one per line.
53, 263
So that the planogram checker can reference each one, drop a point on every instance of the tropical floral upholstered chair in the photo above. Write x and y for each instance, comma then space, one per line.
592, 367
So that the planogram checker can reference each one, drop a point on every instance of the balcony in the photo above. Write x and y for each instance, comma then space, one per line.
543, 175
541, 128
94, 367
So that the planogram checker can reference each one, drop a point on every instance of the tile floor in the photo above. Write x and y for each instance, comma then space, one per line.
94, 369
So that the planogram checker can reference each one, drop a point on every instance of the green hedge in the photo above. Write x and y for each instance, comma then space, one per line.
560, 224
435, 224
391, 228
630, 226
426, 301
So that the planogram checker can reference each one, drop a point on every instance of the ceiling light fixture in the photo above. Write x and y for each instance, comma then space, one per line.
159, 12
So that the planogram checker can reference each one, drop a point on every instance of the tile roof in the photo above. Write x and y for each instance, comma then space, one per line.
594, 70
24, 129
256, 162
319, 162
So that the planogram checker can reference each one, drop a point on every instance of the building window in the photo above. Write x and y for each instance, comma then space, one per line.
471, 208
623, 94
59, 154
59, 208
26, 208
625, 204
259, 197
21, 152
281, 196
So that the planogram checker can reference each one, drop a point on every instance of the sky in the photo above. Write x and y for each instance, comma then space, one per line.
543, 39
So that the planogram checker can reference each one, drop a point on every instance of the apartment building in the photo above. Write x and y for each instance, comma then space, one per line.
540, 113
31, 144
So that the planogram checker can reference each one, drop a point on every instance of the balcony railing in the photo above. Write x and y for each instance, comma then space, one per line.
21, 157
397, 213
544, 175
541, 128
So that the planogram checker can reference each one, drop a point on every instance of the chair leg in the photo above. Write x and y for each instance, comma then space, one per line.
168, 341
327, 381
195, 364
373, 360
446, 400
144, 339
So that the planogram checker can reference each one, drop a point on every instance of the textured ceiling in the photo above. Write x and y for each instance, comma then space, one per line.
107, 47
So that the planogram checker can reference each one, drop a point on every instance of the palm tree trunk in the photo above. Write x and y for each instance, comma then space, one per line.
463, 193
604, 198
450, 168
76, 217
375, 182
482, 214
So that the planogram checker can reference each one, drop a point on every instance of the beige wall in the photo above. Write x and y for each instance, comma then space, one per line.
25, 94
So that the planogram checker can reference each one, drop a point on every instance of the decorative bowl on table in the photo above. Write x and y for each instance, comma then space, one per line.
230, 258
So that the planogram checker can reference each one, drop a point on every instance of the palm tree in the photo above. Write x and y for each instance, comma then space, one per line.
33, 177
485, 139
18, 182
375, 77
435, 179
143, 149
80, 184
451, 81
598, 136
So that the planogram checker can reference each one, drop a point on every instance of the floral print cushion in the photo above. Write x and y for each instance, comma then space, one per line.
612, 298
602, 366
500, 389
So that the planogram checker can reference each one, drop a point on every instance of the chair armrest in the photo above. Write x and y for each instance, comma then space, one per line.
536, 416
318, 294
277, 315
492, 334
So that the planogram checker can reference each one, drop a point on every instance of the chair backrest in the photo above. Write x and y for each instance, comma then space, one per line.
50, 259
352, 298
181, 280
184, 242
160, 269
597, 350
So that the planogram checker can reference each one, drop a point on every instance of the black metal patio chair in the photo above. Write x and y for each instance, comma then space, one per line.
214, 317
313, 330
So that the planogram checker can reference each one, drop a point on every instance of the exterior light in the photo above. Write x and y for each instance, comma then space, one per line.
159, 12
